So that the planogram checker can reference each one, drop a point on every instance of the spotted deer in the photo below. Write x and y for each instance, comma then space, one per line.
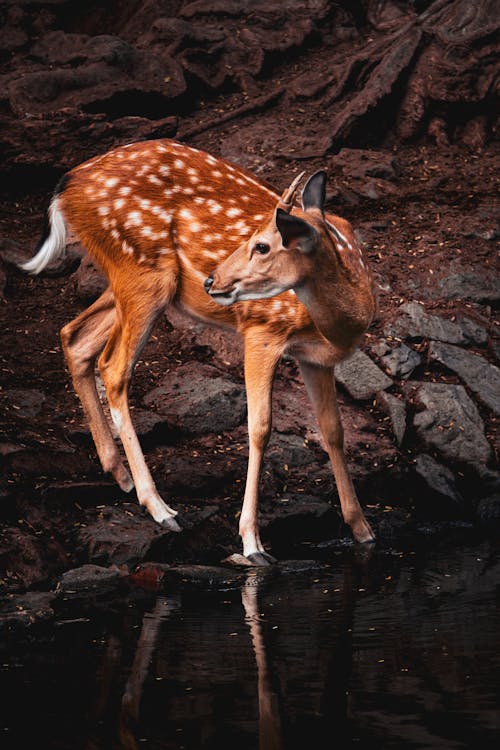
171, 225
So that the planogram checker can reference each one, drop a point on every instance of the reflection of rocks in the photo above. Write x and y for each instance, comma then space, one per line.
476, 372
299, 518
360, 376
414, 322
26, 609
198, 399
451, 423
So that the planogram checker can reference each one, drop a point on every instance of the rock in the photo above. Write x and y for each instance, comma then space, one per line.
495, 345
414, 322
451, 423
24, 403
488, 513
401, 361
119, 538
360, 376
396, 409
199, 400
298, 518
27, 609
288, 450
481, 377
89, 281
438, 478
3, 279
359, 164
90, 579
466, 284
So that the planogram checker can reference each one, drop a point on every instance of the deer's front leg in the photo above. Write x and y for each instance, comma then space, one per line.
261, 358
320, 385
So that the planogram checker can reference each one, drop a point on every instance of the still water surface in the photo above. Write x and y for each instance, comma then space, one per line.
392, 650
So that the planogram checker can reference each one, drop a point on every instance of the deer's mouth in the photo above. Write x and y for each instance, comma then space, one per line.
224, 297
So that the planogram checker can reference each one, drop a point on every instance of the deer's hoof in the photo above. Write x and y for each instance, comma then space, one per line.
171, 524
261, 559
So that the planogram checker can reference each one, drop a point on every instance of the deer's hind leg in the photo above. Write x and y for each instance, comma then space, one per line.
138, 307
83, 339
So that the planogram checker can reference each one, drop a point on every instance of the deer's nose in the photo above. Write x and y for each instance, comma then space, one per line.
208, 283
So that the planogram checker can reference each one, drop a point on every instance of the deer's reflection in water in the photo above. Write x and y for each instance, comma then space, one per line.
245, 657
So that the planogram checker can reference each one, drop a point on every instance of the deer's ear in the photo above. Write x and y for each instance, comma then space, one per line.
295, 232
314, 193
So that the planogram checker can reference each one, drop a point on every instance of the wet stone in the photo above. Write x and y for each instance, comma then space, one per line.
481, 377
451, 423
199, 400
413, 322
438, 478
89, 281
90, 579
288, 450
361, 377
396, 409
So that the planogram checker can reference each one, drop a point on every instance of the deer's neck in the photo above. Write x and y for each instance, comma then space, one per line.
338, 310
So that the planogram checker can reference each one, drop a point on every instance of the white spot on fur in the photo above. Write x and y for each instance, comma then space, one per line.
214, 207
154, 180
185, 213
165, 251
179, 164
164, 170
111, 182
119, 204
103, 210
125, 190
134, 219
217, 173
233, 212
258, 217
126, 248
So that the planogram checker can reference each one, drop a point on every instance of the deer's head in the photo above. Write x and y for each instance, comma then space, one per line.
282, 254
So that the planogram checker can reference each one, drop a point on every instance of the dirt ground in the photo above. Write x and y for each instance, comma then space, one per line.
427, 206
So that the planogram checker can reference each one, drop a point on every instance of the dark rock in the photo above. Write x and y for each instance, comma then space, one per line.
467, 284
396, 409
401, 361
90, 579
451, 423
298, 518
118, 537
414, 322
488, 513
89, 281
199, 400
289, 451
437, 477
27, 609
25, 403
360, 376
3, 279
359, 164
481, 377
495, 345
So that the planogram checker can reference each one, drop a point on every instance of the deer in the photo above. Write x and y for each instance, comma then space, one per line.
171, 225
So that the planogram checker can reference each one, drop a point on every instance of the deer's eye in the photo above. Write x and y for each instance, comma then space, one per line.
262, 248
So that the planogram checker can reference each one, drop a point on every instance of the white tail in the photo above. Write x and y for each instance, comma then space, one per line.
163, 220
52, 245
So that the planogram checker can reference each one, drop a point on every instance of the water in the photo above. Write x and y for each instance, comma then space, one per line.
384, 651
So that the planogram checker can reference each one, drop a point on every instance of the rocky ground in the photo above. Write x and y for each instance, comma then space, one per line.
420, 401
